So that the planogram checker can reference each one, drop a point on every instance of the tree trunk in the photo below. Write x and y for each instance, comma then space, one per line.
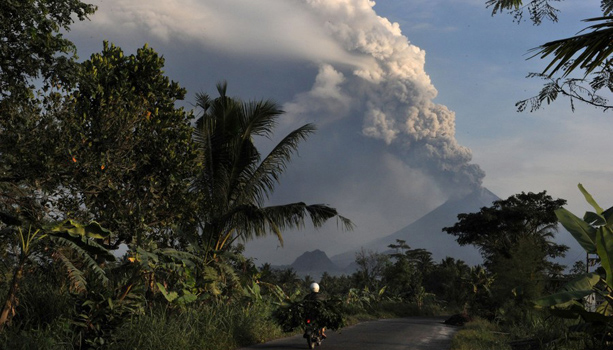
11, 298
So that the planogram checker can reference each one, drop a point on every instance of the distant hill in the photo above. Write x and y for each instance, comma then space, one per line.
427, 233
313, 261
314, 264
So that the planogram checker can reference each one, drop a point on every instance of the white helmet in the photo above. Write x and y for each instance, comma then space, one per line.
314, 287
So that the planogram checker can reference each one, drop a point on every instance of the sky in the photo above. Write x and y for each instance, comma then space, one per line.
414, 101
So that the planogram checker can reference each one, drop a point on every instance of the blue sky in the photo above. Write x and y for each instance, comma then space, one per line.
414, 100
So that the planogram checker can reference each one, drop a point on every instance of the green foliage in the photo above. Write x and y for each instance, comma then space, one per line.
171, 272
99, 314
479, 335
336, 286
404, 275
497, 229
528, 329
515, 237
594, 233
127, 148
459, 286
68, 242
31, 45
588, 51
236, 179
371, 269
44, 300
293, 312
218, 326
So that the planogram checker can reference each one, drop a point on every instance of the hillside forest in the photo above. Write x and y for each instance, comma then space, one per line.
123, 218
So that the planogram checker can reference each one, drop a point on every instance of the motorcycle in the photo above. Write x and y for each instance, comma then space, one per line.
313, 334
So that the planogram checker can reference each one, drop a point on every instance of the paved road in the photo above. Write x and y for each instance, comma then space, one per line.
413, 333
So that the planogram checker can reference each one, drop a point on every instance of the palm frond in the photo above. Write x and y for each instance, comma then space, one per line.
595, 48
607, 7
84, 256
261, 117
78, 283
501, 5
279, 218
265, 176
251, 221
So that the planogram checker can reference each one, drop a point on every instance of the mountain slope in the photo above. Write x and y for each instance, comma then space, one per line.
314, 261
426, 232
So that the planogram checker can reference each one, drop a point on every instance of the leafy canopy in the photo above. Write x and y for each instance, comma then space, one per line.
594, 232
31, 45
127, 146
496, 230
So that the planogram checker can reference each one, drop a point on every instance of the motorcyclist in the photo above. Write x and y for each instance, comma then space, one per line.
316, 296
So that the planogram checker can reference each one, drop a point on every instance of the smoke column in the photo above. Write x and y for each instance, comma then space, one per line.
394, 92
369, 74
384, 153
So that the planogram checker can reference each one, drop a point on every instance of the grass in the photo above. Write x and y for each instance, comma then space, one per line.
533, 331
480, 335
216, 326
45, 320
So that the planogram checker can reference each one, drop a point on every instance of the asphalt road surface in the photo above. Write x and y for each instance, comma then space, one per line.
412, 333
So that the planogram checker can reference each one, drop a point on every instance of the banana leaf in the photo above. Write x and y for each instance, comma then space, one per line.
604, 248
590, 199
91, 230
574, 290
581, 230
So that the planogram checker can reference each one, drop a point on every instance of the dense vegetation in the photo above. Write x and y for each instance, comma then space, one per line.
577, 313
96, 158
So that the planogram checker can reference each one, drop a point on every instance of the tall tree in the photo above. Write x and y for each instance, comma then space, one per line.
515, 237
236, 180
31, 45
405, 272
33, 49
588, 51
497, 229
128, 148
371, 267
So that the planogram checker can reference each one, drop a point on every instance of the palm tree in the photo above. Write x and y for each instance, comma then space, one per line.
236, 180
592, 49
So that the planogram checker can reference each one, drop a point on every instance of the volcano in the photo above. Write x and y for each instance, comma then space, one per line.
427, 231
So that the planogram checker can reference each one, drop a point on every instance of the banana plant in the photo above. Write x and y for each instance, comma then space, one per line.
594, 232
169, 271
57, 238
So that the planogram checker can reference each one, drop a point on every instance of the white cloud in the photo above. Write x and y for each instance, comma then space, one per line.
572, 149
269, 28
326, 102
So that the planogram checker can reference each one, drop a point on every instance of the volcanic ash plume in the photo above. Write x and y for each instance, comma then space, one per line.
369, 73
391, 90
